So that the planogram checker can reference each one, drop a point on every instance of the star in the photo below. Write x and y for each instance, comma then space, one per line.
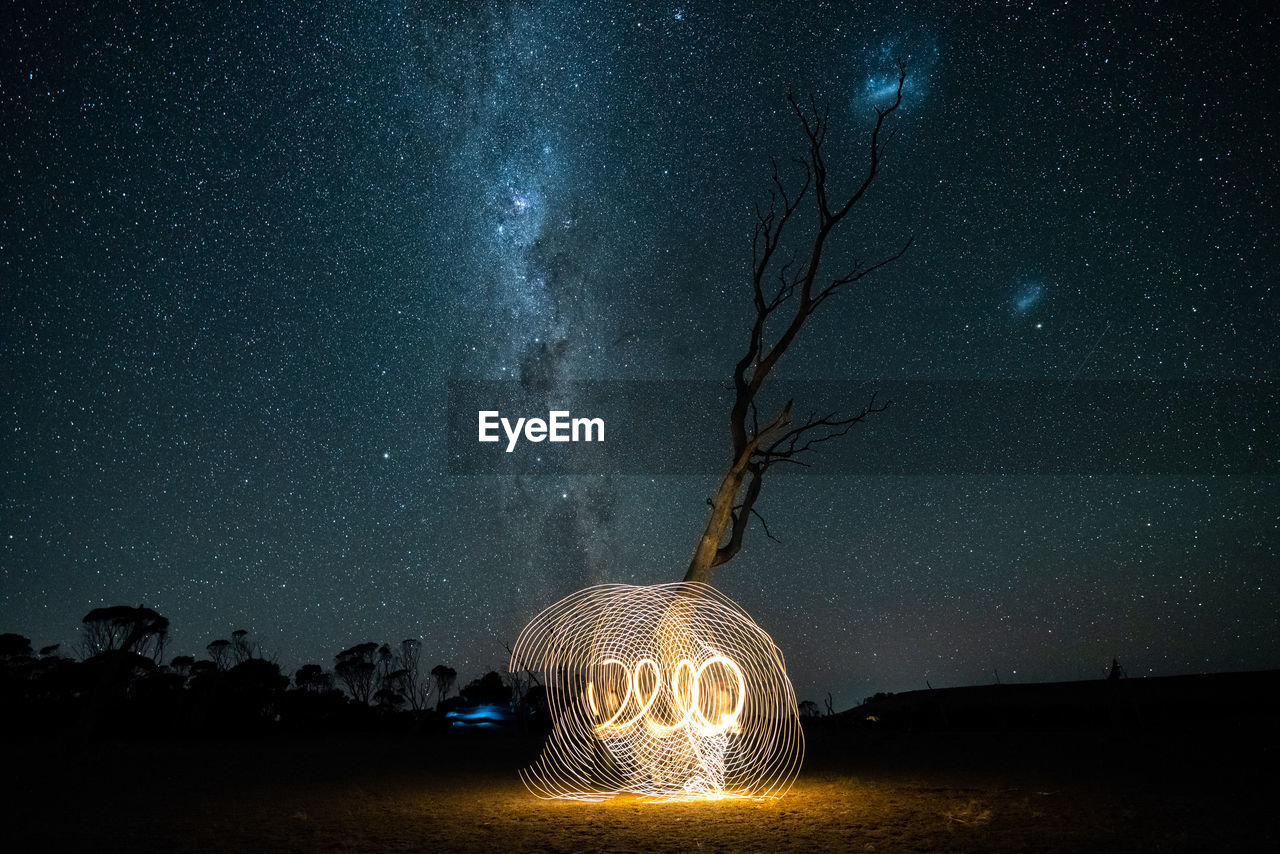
204, 277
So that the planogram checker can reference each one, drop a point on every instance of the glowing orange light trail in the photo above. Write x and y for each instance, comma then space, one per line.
669, 691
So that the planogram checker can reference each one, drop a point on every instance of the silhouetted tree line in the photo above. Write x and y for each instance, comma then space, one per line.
119, 683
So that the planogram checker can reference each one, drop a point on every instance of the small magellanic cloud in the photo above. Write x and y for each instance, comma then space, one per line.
1027, 296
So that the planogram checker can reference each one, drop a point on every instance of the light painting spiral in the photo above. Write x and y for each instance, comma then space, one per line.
668, 691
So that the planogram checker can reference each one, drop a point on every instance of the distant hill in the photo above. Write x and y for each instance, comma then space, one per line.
1197, 700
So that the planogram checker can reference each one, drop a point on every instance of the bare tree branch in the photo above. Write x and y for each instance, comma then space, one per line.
813, 432
765, 525
798, 283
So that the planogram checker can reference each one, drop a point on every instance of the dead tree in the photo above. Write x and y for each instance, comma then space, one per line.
800, 285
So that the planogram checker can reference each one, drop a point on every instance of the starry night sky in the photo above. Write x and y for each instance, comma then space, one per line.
244, 250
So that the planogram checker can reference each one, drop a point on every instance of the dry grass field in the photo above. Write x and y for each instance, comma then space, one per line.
458, 792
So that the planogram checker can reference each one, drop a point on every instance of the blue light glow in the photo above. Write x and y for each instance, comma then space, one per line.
1028, 297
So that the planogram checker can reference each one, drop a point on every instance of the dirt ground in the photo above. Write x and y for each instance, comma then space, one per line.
859, 791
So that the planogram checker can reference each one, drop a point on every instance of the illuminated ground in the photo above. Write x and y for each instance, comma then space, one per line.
859, 792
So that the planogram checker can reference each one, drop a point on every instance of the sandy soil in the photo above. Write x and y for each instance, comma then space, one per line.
459, 792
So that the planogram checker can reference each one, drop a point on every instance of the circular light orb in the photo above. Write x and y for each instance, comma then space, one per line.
669, 691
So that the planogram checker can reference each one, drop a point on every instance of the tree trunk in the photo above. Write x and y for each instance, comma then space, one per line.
755, 446
718, 521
